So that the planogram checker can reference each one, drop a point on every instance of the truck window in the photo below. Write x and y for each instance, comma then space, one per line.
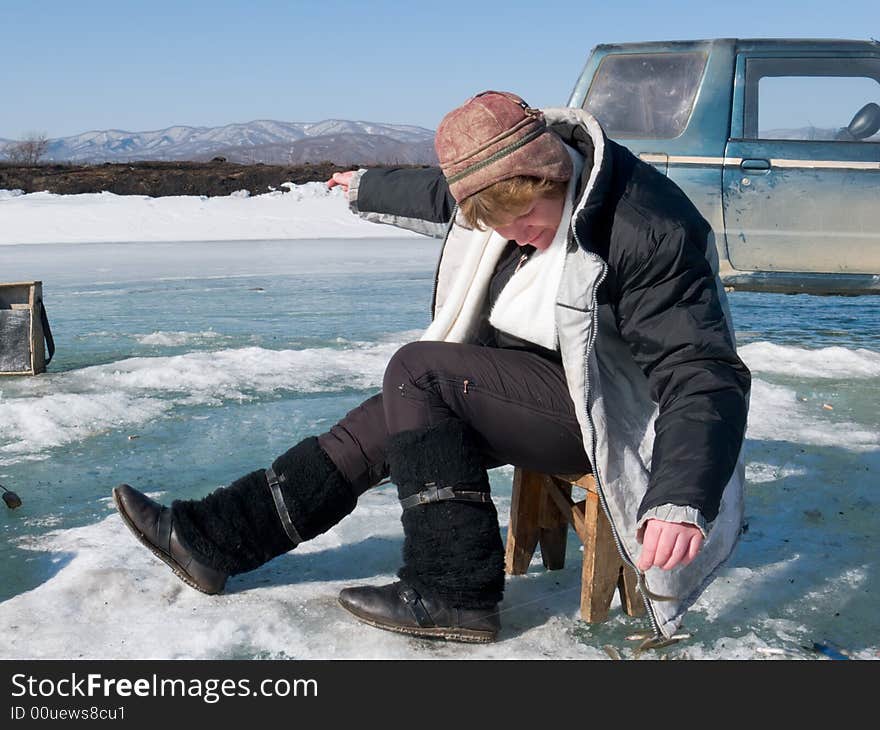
819, 99
645, 95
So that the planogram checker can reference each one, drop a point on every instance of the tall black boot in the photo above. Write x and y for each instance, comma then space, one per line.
452, 577
238, 528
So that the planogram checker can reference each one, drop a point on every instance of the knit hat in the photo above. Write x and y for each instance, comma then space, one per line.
493, 136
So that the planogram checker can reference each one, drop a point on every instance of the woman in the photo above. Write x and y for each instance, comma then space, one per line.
575, 315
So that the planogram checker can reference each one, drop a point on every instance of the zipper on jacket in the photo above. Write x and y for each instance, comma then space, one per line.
614, 533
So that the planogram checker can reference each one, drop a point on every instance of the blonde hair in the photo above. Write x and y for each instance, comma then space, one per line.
508, 199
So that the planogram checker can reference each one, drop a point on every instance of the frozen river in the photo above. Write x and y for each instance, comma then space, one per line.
181, 366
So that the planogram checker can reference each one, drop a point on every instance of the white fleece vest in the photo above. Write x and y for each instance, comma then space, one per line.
526, 306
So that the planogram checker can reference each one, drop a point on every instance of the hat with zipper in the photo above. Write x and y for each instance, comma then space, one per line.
494, 136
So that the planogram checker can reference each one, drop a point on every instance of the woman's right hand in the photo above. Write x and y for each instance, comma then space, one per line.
343, 179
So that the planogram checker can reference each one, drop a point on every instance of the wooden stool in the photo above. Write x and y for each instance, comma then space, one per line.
541, 510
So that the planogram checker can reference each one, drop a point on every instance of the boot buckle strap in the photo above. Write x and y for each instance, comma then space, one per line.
413, 601
441, 494
281, 508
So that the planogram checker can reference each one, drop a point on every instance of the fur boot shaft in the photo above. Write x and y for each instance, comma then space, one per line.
452, 549
316, 494
237, 528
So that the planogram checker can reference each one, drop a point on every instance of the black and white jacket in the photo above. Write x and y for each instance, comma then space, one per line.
646, 342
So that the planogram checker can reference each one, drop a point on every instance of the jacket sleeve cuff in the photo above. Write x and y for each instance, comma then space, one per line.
675, 513
353, 186
417, 225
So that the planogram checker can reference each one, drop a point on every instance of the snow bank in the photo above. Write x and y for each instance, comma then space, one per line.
61, 408
823, 362
306, 211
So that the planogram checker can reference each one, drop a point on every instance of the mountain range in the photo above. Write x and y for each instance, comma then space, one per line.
270, 142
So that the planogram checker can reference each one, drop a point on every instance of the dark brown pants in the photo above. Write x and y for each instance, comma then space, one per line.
516, 402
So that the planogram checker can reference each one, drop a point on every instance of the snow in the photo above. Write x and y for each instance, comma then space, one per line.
777, 414
826, 362
75, 614
310, 210
287, 608
52, 411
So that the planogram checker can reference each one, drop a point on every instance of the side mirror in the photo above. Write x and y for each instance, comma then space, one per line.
866, 122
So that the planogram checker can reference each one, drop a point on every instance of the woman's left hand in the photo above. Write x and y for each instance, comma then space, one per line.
668, 544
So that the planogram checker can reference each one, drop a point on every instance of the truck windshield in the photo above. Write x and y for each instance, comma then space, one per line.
645, 95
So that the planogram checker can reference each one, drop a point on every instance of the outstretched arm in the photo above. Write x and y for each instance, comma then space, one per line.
417, 199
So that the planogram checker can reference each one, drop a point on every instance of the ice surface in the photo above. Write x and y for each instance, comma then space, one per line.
805, 569
776, 413
61, 408
114, 599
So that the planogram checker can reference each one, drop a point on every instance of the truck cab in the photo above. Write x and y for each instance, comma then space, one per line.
777, 143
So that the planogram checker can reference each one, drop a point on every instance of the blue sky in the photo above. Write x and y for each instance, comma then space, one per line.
71, 66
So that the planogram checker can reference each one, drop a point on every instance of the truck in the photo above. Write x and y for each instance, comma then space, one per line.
777, 143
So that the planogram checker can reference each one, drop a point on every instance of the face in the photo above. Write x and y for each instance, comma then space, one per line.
537, 226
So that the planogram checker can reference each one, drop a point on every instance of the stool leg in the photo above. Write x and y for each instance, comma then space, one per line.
602, 563
630, 599
524, 529
554, 525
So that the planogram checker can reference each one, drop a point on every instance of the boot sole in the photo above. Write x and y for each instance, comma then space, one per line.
176, 568
468, 636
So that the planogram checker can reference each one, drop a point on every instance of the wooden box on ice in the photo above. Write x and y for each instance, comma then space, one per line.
22, 351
